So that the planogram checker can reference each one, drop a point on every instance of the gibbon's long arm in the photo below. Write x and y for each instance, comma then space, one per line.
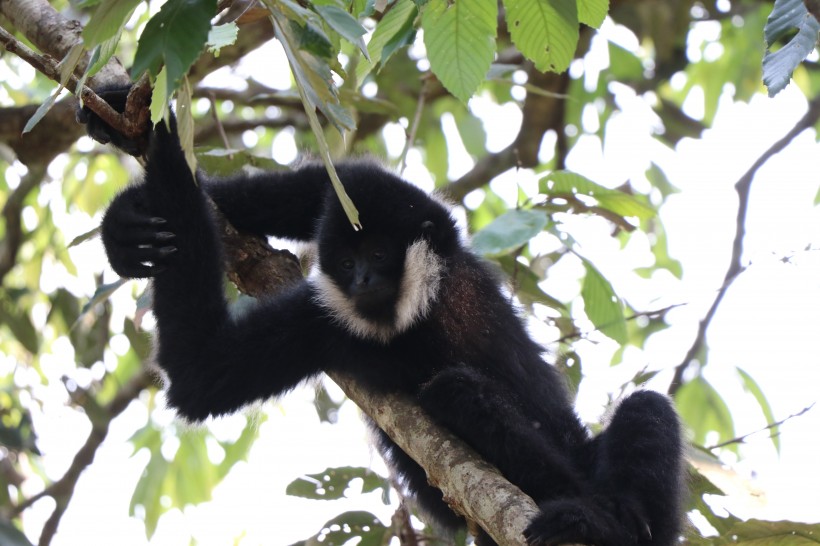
284, 203
216, 363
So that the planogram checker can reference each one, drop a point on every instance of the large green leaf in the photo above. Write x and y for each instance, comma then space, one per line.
592, 12
602, 305
460, 42
509, 231
704, 410
545, 31
174, 37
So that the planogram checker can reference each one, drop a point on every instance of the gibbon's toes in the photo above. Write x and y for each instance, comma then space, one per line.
574, 521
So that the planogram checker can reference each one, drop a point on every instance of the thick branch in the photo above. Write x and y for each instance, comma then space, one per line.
743, 188
471, 486
55, 35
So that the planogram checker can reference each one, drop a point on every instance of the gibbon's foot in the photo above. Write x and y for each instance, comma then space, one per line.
600, 521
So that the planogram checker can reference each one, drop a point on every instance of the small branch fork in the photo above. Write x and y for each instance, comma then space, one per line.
131, 124
736, 267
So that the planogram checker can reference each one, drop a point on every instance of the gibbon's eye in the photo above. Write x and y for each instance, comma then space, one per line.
347, 264
379, 255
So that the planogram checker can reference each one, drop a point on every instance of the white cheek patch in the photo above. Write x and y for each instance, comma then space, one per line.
418, 291
420, 282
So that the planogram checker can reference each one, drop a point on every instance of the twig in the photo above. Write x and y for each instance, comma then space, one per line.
414, 125
12, 213
220, 129
741, 439
47, 66
743, 188
62, 489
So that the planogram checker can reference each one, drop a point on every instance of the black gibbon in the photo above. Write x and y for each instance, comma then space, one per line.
401, 306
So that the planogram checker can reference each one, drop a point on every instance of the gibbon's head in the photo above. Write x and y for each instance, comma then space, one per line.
380, 280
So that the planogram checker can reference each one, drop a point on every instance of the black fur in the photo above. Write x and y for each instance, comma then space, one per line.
401, 306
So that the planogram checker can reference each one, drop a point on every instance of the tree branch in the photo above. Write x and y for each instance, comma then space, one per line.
741, 439
736, 267
541, 112
470, 485
63, 489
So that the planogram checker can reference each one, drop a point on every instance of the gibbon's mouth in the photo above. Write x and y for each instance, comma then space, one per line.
376, 303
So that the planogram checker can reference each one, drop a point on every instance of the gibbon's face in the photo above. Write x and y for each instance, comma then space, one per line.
368, 269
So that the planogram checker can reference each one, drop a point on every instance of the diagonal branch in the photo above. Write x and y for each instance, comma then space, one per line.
63, 489
743, 188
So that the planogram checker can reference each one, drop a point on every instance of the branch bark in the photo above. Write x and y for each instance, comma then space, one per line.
471, 486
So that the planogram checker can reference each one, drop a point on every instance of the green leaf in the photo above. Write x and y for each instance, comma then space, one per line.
101, 294
769, 533
392, 30
344, 527
778, 66
525, 282
545, 31
160, 95
239, 449
602, 305
221, 36
508, 232
460, 42
704, 410
84, 237
185, 125
317, 92
174, 37
11, 536
101, 54
575, 186
16, 319
42, 110
344, 23
751, 386
108, 20
333, 482
592, 12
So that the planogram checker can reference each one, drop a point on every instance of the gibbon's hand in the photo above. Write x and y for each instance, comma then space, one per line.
138, 243
102, 132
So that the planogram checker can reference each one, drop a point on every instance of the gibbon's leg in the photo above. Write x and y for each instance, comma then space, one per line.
485, 414
640, 458
637, 472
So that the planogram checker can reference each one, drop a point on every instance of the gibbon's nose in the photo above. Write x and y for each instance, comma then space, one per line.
362, 277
